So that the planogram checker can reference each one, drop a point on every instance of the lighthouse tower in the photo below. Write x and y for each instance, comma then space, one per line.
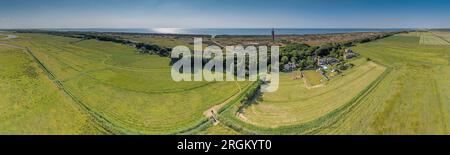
273, 35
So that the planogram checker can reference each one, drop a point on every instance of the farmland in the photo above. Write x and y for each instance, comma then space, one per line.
398, 85
219, 129
404, 90
31, 104
124, 91
285, 108
445, 35
312, 77
412, 99
290, 109
429, 38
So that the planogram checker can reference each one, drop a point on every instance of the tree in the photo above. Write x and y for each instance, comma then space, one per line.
294, 59
284, 60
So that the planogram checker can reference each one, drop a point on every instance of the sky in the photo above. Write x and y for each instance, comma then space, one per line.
224, 13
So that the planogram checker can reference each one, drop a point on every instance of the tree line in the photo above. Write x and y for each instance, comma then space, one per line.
305, 56
302, 55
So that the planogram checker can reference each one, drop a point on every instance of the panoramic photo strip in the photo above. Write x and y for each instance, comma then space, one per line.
189, 71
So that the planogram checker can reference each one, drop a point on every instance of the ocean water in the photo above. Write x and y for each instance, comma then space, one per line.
232, 31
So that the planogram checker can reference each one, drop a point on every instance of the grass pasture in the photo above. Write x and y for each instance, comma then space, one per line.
313, 77
133, 92
408, 95
69, 85
219, 129
294, 103
429, 38
443, 34
412, 99
31, 104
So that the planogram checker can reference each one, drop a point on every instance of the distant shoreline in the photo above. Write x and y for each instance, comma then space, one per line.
229, 31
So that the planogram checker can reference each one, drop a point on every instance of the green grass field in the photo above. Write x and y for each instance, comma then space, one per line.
294, 103
406, 90
443, 34
313, 77
429, 38
131, 93
31, 104
65, 86
219, 129
412, 99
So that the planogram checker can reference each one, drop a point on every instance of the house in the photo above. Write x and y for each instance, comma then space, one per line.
348, 54
327, 61
289, 67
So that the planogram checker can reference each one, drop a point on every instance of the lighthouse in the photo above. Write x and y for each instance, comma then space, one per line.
273, 34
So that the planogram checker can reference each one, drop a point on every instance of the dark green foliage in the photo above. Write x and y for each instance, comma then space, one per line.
325, 49
252, 94
344, 66
305, 56
298, 54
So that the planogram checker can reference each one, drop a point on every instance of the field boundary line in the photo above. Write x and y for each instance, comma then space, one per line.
207, 122
441, 38
356, 102
58, 84
309, 127
103, 121
100, 120
168, 91
216, 107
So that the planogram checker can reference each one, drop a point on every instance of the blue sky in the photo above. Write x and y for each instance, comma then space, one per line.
224, 13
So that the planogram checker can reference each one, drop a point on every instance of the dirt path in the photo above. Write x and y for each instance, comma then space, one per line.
215, 42
209, 113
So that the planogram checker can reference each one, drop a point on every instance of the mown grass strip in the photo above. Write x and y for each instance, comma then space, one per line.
103, 122
230, 120
206, 123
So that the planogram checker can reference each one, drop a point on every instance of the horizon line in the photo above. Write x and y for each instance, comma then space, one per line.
230, 28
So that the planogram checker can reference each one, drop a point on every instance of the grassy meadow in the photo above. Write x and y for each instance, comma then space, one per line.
312, 77
412, 99
219, 129
128, 92
59, 85
294, 103
445, 35
405, 89
31, 104
431, 38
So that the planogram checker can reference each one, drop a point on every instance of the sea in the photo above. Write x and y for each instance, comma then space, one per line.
231, 31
